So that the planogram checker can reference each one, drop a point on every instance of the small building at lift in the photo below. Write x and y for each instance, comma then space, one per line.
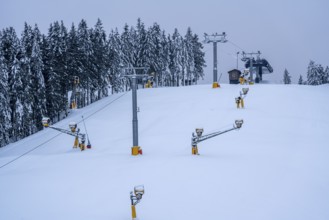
234, 76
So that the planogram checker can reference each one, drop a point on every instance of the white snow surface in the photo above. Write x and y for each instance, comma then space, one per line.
275, 167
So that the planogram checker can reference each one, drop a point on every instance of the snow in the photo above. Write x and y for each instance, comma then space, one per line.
275, 167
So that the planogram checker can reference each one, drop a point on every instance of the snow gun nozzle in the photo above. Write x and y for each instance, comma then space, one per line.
238, 123
199, 131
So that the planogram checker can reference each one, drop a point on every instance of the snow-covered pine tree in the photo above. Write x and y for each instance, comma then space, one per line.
56, 93
12, 58
199, 62
300, 80
157, 53
320, 71
46, 60
116, 80
85, 52
314, 74
100, 59
126, 47
286, 77
38, 87
171, 58
29, 82
182, 59
165, 60
130, 53
188, 41
325, 78
141, 44
134, 45
63, 68
174, 57
126, 56
73, 62
17, 103
5, 123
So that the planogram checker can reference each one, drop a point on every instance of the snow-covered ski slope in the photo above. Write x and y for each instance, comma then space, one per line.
275, 167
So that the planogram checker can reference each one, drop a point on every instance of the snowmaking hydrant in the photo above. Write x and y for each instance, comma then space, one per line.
135, 198
240, 99
80, 138
199, 137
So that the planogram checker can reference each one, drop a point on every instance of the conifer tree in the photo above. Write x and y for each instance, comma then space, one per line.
158, 53
57, 80
116, 80
25, 70
73, 61
188, 42
100, 59
21, 102
286, 77
182, 59
314, 74
325, 78
300, 80
141, 44
129, 51
11, 56
174, 57
5, 123
85, 71
37, 80
199, 62
134, 45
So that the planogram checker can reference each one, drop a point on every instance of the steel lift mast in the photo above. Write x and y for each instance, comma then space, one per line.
214, 39
199, 138
136, 149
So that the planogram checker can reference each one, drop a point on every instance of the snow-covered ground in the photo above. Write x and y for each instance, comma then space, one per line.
275, 167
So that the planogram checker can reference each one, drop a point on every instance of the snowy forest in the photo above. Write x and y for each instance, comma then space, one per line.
37, 71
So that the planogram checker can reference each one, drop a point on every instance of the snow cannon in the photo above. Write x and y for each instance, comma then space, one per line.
139, 191
45, 122
73, 126
238, 123
79, 138
245, 91
240, 100
135, 198
199, 137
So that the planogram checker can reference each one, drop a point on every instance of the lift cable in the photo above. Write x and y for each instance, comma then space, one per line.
235, 45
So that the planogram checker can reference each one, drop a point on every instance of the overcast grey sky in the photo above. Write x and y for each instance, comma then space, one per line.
288, 33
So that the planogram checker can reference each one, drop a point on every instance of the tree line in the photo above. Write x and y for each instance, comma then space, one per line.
37, 71
316, 75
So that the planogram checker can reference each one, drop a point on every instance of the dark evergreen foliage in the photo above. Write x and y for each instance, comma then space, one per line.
316, 75
286, 77
5, 123
300, 80
38, 72
325, 76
